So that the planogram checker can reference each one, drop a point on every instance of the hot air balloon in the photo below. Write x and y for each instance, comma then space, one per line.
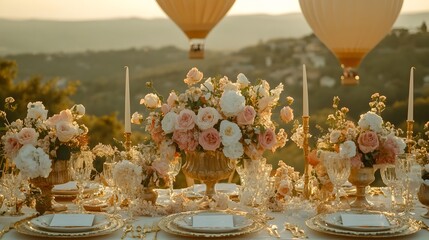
350, 28
196, 18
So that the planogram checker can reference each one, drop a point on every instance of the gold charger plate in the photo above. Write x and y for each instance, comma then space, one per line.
167, 224
317, 224
24, 227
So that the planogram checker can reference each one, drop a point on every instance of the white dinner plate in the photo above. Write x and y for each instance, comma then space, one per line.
43, 222
186, 222
334, 220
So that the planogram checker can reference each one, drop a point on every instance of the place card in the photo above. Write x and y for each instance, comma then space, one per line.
72, 220
65, 186
213, 221
363, 220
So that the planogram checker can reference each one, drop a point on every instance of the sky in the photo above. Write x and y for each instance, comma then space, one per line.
103, 9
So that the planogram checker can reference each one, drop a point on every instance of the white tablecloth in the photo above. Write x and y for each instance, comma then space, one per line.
279, 220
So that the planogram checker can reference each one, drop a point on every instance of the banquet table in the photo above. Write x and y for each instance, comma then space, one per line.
279, 218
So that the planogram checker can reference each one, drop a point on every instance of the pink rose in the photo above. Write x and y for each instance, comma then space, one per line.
247, 116
161, 167
253, 152
64, 115
368, 141
267, 139
186, 140
66, 131
28, 136
286, 114
388, 150
165, 108
11, 145
185, 120
356, 161
209, 139
313, 160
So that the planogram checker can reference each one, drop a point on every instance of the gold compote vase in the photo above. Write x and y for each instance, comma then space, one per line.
149, 195
423, 196
361, 177
209, 167
60, 174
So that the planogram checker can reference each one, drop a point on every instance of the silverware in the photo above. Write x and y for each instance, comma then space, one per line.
423, 225
295, 230
274, 230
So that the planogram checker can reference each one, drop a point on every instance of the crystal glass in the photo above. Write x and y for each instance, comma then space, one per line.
338, 169
410, 176
107, 176
14, 198
81, 172
391, 179
173, 169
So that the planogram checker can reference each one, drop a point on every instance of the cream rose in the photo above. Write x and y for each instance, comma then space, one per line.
172, 99
230, 132
334, 136
231, 103
286, 114
168, 122
63, 116
36, 110
11, 144
193, 76
207, 117
151, 101
185, 120
66, 131
28, 136
247, 116
242, 80
136, 118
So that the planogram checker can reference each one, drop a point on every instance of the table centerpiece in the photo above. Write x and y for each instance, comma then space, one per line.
40, 147
369, 143
215, 122
421, 150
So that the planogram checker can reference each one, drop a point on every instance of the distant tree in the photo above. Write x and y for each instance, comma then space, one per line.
423, 27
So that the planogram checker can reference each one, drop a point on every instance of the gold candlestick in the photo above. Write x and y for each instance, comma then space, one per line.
410, 126
127, 143
306, 128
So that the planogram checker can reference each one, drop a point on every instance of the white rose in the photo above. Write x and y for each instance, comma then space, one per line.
151, 100
36, 110
371, 121
136, 118
348, 149
229, 132
242, 80
66, 131
207, 117
263, 89
193, 76
233, 151
168, 123
231, 103
334, 136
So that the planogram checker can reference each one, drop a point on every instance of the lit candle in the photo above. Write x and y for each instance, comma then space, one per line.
304, 92
411, 96
127, 102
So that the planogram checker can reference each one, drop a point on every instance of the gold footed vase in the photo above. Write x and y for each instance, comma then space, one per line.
423, 196
60, 174
361, 178
209, 167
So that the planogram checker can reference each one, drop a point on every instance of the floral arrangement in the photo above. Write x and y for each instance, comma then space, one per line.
285, 180
34, 142
421, 150
217, 115
142, 167
372, 141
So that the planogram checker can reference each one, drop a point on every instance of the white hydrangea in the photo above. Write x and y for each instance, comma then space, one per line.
348, 149
371, 121
231, 103
127, 174
233, 151
33, 162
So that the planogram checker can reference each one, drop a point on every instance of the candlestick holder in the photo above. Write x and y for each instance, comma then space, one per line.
127, 142
410, 126
306, 128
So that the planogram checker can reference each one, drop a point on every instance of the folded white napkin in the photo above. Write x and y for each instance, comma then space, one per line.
221, 187
213, 221
65, 186
72, 220
364, 220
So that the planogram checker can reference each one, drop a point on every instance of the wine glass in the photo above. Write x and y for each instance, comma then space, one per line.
81, 171
108, 179
173, 169
389, 175
338, 169
409, 170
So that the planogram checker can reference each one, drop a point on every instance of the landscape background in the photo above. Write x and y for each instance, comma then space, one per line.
61, 62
